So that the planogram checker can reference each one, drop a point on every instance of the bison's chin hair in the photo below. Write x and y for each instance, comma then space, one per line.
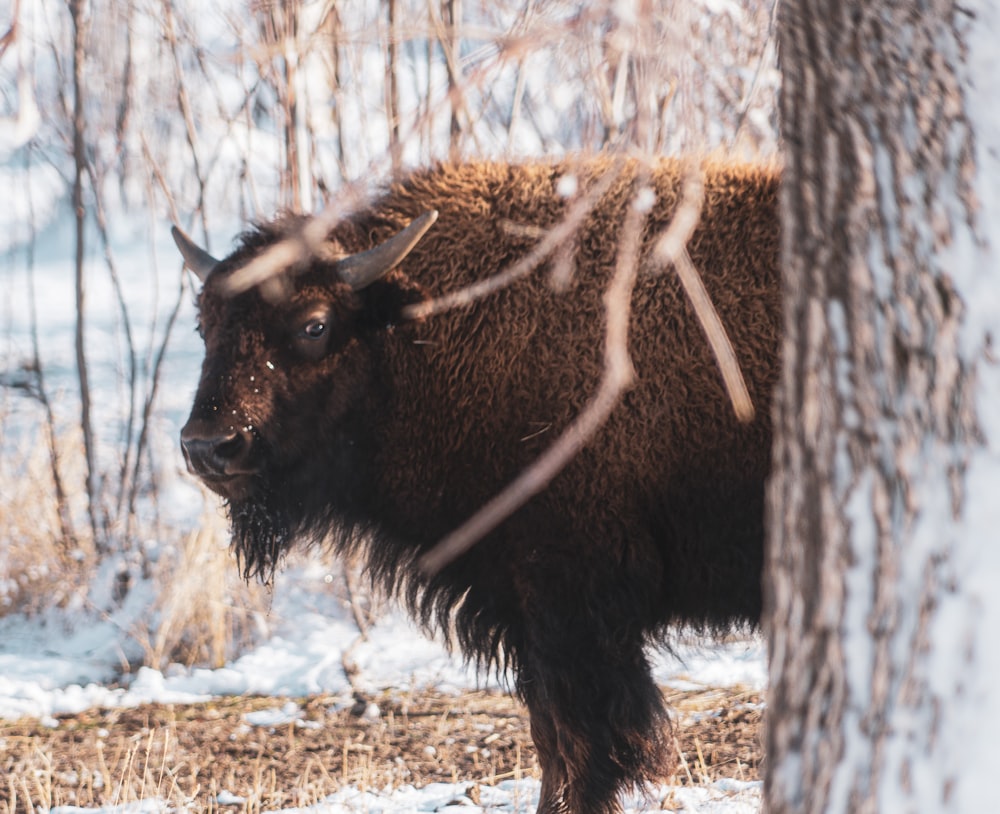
261, 535
293, 510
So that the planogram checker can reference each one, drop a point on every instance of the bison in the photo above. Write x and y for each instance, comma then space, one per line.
329, 410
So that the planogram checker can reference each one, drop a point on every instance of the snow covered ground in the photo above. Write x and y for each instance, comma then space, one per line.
49, 666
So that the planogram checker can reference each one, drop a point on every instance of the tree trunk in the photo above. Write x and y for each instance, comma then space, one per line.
882, 605
392, 87
78, 14
288, 14
453, 22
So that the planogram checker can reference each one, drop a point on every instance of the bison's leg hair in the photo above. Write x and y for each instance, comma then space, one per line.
554, 777
597, 718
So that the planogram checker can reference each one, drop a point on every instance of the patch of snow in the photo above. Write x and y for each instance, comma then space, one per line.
287, 713
517, 796
150, 805
741, 662
49, 668
227, 798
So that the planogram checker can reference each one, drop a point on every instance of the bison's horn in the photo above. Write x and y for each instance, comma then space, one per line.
195, 257
363, 269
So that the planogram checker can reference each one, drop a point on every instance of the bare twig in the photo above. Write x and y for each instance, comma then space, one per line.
184, 103
360, 617
671, 249
41, 392
160, 351
452, 12
280, 256
618, 372
279, 32
347, 662
130, 350
447, 32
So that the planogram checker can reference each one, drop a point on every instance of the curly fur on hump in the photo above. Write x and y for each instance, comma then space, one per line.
385, 433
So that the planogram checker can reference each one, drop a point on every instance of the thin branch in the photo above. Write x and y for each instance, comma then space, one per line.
618, 376
447, 35
184, 104
360, 617
276, 259
671, 249
363, 621
161, 351
133, 373
453, 8
41, 392
751, 91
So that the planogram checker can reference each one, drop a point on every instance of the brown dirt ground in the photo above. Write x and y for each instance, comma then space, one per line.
187, 754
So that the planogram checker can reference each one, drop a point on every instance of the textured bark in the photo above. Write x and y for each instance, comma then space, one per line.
392, 86
452, 12
874, 416
81, 24
279, 33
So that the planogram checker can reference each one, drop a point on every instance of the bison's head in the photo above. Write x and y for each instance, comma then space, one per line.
275, 424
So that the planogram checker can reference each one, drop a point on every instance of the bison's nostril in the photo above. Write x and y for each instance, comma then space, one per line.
229, 448
218, 455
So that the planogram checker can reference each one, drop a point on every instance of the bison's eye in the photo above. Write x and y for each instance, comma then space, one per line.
314, 329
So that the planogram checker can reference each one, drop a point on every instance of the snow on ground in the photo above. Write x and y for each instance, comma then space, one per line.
507, 797
50, 667
728, 797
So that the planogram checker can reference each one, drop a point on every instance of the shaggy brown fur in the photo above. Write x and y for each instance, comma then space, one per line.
388, 433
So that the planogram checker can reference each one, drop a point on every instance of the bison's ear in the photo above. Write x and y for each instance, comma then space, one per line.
195, 257
363, 269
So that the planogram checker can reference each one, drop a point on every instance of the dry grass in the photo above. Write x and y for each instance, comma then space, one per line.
39, 568
198, 610
186, 755
203, 611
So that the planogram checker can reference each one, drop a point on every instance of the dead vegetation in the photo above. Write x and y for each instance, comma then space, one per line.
187, 756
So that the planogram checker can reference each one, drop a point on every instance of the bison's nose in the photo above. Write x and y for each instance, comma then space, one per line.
216, 456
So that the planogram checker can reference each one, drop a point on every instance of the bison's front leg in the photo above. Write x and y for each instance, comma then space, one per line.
597, 717
551, 799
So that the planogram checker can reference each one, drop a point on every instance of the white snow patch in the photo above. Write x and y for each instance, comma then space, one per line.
52, 670
150, 805
227, 798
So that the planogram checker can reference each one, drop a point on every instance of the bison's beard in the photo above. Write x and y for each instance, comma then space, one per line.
261, 535
319, 501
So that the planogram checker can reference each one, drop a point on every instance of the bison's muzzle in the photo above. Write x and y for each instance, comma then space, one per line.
223, 461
